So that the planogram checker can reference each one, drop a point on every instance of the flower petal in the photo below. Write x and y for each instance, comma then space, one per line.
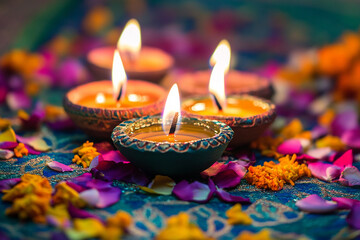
245, 158
352, 138
161, 185
8, 136
8, 145
90, 196
315, 204
345, 203
291, 146
353, 219
227, 178
114, 156
324, 171
80, 213
318, 132
18, 100
8, 183
195, 191
227, 197
214, 169
6, 154
108, 196
346, 120
36, 142
346, 160
59, 167
319, 153
350, 176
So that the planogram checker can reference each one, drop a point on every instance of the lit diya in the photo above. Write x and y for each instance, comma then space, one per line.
247, 115
97, 107
236, 82
140, 62
172, 145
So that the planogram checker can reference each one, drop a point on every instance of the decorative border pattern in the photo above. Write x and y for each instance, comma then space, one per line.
121, 135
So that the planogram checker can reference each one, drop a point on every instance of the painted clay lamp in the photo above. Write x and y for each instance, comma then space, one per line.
248, 116
97, 107
172, 145
140, 62
236, 82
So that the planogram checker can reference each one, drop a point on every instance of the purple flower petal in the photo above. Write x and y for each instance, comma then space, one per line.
59, 167
245, 158
31, 150
108, 196
345, 203
352, 138
95, 162
350, 176
6, 154
8, 183
214, 169
227, 178
227, 197
90, 196
315, 204
71, 72
195, 192
318, 132
291, 146
18, 100
8, 145
114, 156
324, 171
346, 160
346, 120
353, 219
79, 213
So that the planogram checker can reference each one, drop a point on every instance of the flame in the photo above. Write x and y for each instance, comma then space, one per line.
130, 39
172, 106
100, 98
222, 55
217, 84
118, 77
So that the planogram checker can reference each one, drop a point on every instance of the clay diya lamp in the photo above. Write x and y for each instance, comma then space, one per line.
171, 145
247, 115
236, 82
140, 62
97, 107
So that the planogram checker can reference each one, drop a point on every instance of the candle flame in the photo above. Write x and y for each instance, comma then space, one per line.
118, 77
217, 85
130, 39
222, 55
100, 98
172, 107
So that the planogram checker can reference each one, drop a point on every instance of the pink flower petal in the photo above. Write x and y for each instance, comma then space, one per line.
353, 219
315, 204
90, 196
6, 154
226, 179
291, 146
59, 167
114, 156
227, 197
345, 203
346, 120
71, 72
352, 138
18, 100
350, 176
8, 183
31, 150
195, 191
245, 158
324, 171
36, 142
319, 153
214, 169
108, 196
8, 145
318, 132
80, 213
346, 160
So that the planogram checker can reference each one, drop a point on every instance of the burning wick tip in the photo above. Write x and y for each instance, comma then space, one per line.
218, 105
173, 124
120, 94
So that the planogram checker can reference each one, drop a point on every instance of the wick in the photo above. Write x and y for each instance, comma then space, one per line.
173, 124
120, 93
217, 103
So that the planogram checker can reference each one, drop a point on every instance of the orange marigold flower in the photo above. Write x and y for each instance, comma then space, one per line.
351, 42
237, 216
334, 59
264, 234
97, 19
65, 194
20, 150
121, 220
85, 154
333, 142
294, 128
326, 118
273, 176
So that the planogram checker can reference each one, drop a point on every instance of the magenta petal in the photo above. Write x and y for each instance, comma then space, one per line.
315, 204
80, 213
108, 196
8, 145
344, 121
245, 158
214, 169
345, 203
114, 156
18, 100
8, 183
291, 146
59, 167
324, 171
353, 219
226, 179
31, 150
195, 192
346, 160
227, 197
350, 176
318, 132
90, 196
352, 138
